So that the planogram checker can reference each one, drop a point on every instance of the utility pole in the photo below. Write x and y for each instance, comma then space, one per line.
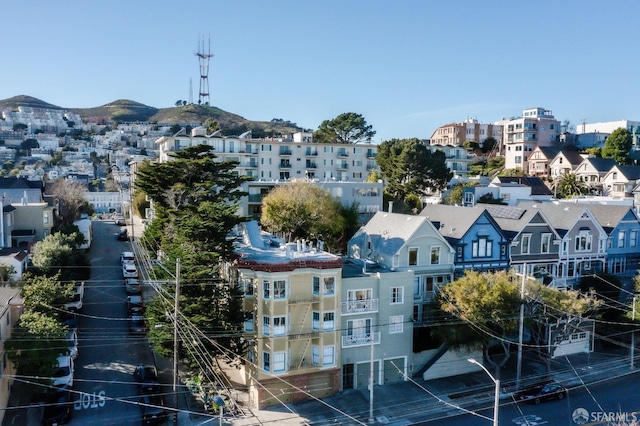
633, 329
371, 419
521, 327
175, 341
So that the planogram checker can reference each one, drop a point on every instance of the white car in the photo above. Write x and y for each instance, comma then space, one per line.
72, 343
76, 302
63, 376
129, 270
127, 257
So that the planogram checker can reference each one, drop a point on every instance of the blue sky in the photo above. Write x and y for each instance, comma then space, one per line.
407, 66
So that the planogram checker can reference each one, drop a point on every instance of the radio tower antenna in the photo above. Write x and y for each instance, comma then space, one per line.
203, 58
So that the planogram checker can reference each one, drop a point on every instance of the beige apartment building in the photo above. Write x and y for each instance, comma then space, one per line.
469, 130
292, 311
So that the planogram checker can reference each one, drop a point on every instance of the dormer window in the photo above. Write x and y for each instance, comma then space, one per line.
413, 256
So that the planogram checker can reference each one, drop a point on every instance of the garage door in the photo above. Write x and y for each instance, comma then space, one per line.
391, 373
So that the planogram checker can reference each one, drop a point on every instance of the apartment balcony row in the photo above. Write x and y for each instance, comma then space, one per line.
354, 307
353, 340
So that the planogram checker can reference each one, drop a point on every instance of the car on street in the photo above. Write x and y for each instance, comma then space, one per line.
132, 285
72, 343
119, 220
123, 235
137, 325
76, 302
153, 411
58, 407
135, 305
129, 270
147, 378
63, 375
546, 392
127, 257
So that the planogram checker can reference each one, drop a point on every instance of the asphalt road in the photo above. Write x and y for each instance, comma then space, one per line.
106, 392
615, 399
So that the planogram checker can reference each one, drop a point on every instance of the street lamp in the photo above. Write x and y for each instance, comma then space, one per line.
496, 403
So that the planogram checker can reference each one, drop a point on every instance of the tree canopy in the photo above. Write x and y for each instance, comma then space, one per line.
196, 204
347, 128
409, 167
569, 185
305, 210
618, 145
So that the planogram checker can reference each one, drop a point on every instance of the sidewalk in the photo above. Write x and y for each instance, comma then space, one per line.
408, 402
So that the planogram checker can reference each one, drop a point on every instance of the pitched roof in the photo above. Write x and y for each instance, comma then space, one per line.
548, 151
536, 184
573, 157
388, 232
15, 182
630, 172
562, 216
609, 216
601, 164
511, 220
452, 221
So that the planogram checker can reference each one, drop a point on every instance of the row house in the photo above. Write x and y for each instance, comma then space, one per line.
416, 259
474, 235
539, 160
592, 171
564, 162
620, 180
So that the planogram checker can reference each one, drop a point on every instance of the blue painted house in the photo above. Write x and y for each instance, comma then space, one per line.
477, 240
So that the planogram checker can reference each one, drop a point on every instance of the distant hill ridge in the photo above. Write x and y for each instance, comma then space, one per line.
124, 110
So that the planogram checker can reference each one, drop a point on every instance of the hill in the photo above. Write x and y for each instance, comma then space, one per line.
124, 110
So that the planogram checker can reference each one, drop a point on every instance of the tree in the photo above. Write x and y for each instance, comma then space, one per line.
72, 201
58, 253
594, 152
569, 185
19, 126
302, 210
618, 145
29, 144
211, 125
196, 202
409, 167
347, 128
178, 103
488, 144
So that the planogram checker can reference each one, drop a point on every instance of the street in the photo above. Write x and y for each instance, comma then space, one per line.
611, 399
106, 392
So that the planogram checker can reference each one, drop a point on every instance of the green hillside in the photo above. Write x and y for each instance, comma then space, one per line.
124, 110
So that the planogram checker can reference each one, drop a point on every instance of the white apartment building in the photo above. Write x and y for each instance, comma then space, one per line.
536, 127
609, 126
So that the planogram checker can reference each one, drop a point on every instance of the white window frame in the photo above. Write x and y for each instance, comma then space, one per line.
545, 239
266, 361
328, 356
266, 289
411, 260
315, 285
315, 320
434, 250
279, 289
396, 324
525, 248
279, 362
621, 239
396, 295
328, 324
315, 355
266, 325
329, 286
279, 325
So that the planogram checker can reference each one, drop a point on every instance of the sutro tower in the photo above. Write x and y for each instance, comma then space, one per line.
203, 58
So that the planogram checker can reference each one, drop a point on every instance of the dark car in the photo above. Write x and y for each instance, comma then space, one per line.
135, 305
132, 285
58, 407
147, 378
137, 324
153, 411
536, 394
123, 235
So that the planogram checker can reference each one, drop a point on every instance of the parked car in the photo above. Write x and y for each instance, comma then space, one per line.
137, 325
58, 407
129, 270
76, 302
135, 305
132, 285
127, 257
153, 411
123, 235
147, 378
119, 220
72, 343
63, 375
536, 394
69, 318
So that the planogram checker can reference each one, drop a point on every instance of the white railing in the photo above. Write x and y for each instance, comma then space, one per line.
351, 307
360, 339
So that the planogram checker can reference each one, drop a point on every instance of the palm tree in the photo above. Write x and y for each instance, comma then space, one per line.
568, 185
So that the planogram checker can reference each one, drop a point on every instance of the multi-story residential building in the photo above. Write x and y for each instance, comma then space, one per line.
609, 127
10, 309
477, 239
620, 181
292, 309
539, 160
283, 158
457, 159
470, 130
375, 313
592, 170
564, 162
536, 127
17, 190
32, 222
103, 202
